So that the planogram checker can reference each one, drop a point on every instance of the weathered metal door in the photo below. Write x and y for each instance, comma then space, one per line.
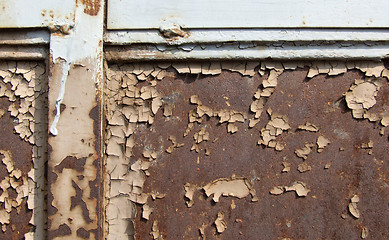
194, 119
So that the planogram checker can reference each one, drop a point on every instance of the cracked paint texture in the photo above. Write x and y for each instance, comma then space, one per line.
23, 96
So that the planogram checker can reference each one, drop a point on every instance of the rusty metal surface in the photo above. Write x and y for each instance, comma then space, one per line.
22, 156
22, 149
318, 215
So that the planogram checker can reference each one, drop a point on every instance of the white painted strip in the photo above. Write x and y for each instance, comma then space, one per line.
152, 14
123, 37
65, 73
228, 52
36, 13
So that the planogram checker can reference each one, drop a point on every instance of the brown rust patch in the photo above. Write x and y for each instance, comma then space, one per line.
97, 185
63, 230
21, 150
91, 7
77, 201
82, 233
71, 162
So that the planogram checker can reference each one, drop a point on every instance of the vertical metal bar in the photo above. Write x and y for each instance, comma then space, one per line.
74, 152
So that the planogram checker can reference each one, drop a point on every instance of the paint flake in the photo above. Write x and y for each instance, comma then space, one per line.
304, 151
157, 195
202, 231
322, 142
299, 187
364, 233
304, 167
231, 128
146, 211
385, 120
234, 187
361, 97
277, 190
200, 136
275, 127
286, 167
155, 233
189, 193
221, 225
337, 68
309, 127
353, 208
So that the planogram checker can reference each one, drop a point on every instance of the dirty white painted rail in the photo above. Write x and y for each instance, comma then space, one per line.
24, 37
134, 14
36, 13
123, 37
237, 52
23, 52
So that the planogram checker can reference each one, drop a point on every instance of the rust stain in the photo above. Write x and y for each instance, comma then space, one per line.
91, 7
77, 201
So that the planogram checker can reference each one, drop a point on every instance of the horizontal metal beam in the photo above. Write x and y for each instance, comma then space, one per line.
24, 37
10, 52
153, 14
42, 13
123, 37
239, 52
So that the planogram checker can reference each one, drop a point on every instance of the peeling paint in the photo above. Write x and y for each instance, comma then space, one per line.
274, 128
353, 208
138, 105
299, 187
189, 192
220, 224
234, 187
24, 84
304, 151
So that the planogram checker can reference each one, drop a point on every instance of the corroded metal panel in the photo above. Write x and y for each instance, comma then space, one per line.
23, 131
247, 150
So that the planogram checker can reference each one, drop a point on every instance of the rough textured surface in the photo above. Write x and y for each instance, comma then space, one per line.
155, 107
23, 96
